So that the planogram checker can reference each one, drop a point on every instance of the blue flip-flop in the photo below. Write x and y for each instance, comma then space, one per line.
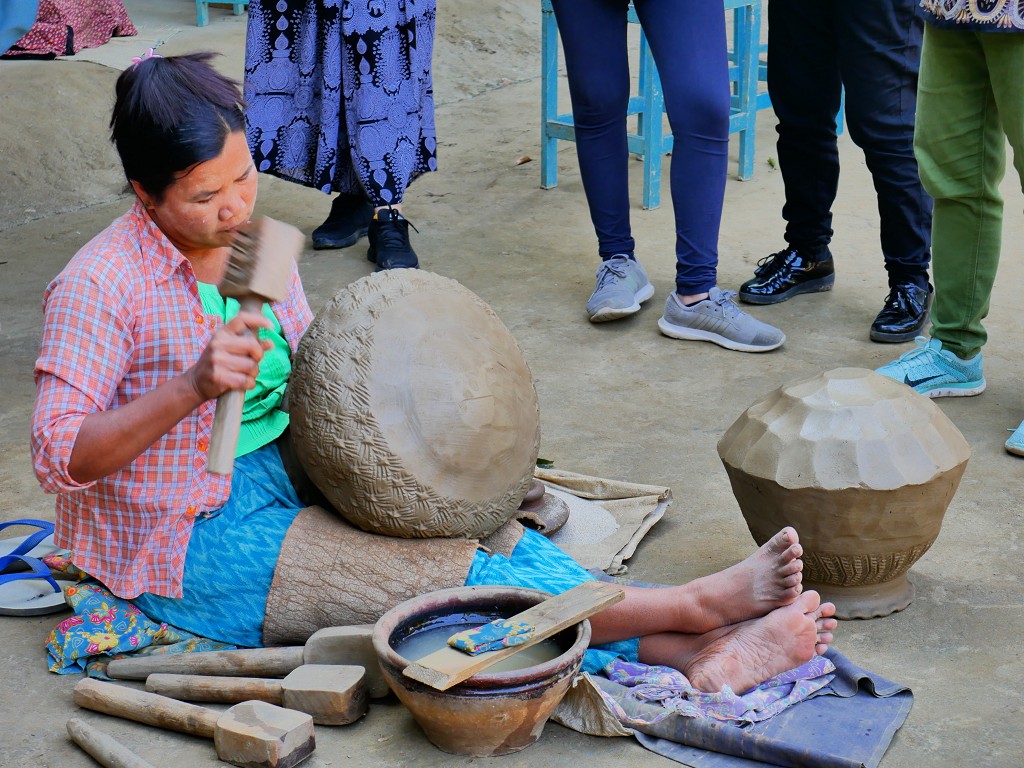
30, 593
37, 545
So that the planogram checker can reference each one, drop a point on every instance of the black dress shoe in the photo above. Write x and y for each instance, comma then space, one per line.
785, 274
348, 221
389, 242
903, 315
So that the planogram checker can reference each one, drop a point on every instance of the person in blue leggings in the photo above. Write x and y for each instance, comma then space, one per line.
687, 40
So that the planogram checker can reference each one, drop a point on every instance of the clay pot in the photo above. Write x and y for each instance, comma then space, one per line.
413, 409
490, 713
862, 467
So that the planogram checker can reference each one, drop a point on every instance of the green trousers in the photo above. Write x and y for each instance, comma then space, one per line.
970, 100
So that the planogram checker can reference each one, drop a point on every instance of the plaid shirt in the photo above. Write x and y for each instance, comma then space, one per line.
121, 318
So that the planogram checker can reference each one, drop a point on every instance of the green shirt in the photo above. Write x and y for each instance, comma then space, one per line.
262, 419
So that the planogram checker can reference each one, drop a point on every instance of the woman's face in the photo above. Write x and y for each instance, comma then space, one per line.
202, 207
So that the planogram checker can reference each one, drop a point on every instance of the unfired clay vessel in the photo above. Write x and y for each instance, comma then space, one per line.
413, 409
490, 713
862, 467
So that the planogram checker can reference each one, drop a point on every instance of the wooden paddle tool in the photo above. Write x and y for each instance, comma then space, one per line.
103, 748
331, 694
447, 667
331, 645
259, 270
253, 735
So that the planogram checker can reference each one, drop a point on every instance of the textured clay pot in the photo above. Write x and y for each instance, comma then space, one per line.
413, 409
862, 467
490, 713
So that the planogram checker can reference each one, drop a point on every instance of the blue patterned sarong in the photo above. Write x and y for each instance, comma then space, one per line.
230, 565
232, 555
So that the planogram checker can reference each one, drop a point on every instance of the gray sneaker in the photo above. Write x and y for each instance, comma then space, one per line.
718, 320
622, 286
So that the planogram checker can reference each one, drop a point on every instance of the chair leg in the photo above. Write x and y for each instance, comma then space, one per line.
746, 34
649, 125
548, 98
239, 8
202, 13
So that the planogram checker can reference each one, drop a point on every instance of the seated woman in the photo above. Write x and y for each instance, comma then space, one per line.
137, 344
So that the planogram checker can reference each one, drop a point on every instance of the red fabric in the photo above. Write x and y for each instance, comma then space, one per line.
92, 23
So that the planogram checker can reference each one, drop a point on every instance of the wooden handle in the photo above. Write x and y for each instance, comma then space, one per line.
227, 420
251, 662
223, 690
103, 748
143, 707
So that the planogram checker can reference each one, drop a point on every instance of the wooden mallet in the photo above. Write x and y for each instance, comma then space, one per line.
331, 645
253, 734
102, 747
331, 694
259, 270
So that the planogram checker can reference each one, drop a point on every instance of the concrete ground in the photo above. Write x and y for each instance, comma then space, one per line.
617, 400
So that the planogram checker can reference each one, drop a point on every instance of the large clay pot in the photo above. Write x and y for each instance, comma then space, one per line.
862, 467
490, 713
413, 409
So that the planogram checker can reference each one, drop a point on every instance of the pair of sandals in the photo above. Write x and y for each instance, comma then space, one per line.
27, 588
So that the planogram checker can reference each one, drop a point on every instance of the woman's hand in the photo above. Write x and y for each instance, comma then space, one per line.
232, 358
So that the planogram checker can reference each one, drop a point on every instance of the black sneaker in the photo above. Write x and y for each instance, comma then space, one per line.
785, 274
348, 221
903, 315
389, 242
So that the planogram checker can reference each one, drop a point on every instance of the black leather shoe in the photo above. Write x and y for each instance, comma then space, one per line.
348, 221
389, 242
785, 274
903, 315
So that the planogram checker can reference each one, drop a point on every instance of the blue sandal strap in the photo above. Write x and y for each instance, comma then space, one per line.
38, 571
45, 529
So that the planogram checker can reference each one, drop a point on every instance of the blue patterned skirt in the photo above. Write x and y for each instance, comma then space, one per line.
340, 93
233, 552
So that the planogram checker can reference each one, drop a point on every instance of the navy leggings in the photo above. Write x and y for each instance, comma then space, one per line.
687, 39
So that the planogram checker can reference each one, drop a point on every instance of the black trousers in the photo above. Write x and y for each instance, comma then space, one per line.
872, 49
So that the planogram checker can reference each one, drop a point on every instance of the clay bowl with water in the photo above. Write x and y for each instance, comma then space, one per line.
493, 712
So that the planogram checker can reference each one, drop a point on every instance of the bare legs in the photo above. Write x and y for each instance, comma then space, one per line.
738, 627
768, 579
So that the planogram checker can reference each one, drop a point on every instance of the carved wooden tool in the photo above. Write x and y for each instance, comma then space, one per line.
103, 748
331, 694
253, 735
259, 270
446, 667
332, 645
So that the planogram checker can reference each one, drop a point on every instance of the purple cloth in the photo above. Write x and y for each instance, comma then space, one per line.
670, 688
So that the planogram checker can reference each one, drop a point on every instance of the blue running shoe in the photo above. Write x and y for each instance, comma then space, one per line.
1015, 444
935, 372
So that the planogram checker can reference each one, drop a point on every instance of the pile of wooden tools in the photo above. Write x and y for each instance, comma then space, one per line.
279, 693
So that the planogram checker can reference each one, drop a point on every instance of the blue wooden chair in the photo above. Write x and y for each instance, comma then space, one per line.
203, 10
650, 142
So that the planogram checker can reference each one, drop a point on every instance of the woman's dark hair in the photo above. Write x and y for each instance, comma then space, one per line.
171, 113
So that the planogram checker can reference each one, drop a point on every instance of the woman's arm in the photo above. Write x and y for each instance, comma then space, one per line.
110, 440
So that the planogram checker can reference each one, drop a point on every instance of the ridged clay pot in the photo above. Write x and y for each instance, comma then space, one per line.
862, 467
413, 409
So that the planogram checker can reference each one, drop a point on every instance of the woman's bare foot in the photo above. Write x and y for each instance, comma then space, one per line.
757, 650
768, 579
